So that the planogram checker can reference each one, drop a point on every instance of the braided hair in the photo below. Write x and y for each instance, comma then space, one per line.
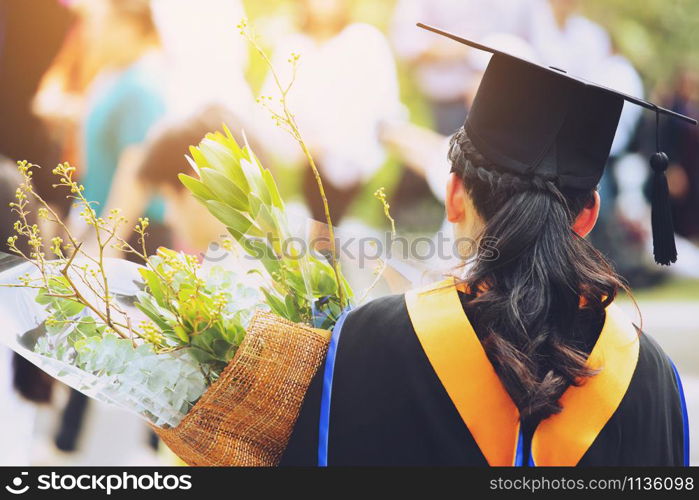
539, 305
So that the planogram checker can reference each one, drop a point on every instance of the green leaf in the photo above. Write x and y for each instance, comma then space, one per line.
221, 158
327, 285
273, 189
263, 217
84, 329
224, 190
153, 284
230, 141
43, 298
198, 157
181, 334
259, 250
295, 281
233, 218
292, 309
86, 344
192, 163
253, 173
238, 236
196, 187
162, 317
278, 307
66, 308
210, 345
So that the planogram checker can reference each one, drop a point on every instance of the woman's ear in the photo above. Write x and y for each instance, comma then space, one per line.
455, 199
587, 218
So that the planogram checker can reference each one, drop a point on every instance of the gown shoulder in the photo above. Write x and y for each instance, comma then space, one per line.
647, 428
389, 407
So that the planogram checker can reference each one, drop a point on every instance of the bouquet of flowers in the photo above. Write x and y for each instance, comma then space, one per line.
217, 360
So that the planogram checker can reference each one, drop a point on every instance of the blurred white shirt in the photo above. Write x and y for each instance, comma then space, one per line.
577, 47
344, 88
448, 79
205, 53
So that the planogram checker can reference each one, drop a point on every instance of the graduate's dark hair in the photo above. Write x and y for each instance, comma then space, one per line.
539, 305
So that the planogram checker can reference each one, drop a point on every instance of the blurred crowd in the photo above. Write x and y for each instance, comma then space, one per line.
122, 88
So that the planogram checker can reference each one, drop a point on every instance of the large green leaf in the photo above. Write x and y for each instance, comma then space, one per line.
85, 328
253, 174
155, 287
292, 309
191, 162
198, 157
233, 218
220, 157
260, 250
196, 187
224, 190
263, 217
159, 315
277, 305
273, 190
67, 308
295, 280
229, 141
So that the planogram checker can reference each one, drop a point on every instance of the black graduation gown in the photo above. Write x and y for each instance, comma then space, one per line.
389, 407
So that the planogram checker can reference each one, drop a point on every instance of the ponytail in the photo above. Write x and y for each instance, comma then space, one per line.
540, 304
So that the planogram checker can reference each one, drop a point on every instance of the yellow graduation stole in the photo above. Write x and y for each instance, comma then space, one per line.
463, 368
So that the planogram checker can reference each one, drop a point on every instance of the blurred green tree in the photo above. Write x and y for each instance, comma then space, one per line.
658, 36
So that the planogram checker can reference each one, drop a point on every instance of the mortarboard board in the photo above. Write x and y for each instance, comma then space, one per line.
538, 120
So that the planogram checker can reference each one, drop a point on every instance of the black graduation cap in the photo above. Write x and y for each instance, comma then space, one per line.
539, 120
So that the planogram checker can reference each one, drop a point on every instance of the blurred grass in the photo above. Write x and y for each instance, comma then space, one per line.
658, 36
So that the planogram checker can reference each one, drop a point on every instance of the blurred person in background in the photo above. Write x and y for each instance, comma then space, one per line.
346, 85
28, 43
443, 71
60, 98
126, 98
445, 76
564, 38
205, 56
625, 234
683, 143
205, 60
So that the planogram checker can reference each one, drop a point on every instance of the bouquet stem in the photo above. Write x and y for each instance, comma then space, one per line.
286, 120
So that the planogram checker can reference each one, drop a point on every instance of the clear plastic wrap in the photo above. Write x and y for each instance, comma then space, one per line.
136, 379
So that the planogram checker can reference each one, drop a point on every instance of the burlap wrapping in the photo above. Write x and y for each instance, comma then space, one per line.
246, 417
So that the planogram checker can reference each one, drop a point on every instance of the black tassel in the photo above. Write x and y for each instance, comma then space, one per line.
664, 249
